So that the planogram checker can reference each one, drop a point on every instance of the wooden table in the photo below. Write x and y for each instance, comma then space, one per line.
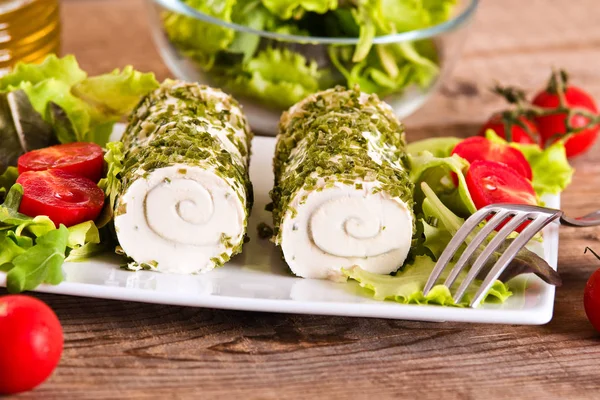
129, 350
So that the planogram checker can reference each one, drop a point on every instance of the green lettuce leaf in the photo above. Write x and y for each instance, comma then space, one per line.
406, 286
387, 68
286, 9
83, 233
9, 248
7, 180
41, 263
76, 106
439, 147
64, 69
111, 184
407, 15
551, 170
437, 173
84, 241
278, 76
200, 40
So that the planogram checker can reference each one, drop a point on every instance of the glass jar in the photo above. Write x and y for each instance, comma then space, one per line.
29, 31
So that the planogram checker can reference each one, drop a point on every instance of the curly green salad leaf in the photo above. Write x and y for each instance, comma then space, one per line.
78, 107
280, 74
286, 9
32, 250
406, 286
550, 166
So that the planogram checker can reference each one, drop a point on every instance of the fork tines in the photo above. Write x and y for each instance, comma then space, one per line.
506, 217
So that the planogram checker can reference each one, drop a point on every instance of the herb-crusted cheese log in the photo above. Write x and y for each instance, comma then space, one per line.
342, 195
186, 194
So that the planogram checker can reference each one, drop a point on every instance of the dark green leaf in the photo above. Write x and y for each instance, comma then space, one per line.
21, 128
63, 127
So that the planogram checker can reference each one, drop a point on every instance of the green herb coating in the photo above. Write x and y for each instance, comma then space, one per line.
338, 135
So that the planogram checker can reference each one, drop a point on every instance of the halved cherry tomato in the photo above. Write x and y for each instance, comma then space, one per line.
519, 135
31, 343
477, 148
553, 125
65, 198
83, 159
491, 182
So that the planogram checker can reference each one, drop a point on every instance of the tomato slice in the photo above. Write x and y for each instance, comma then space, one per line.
65, 198
519, 135
80, 158
491, 182
551, 126
478, 148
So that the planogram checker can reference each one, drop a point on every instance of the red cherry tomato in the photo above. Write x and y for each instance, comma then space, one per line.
552, 125
477, 148
591, 299
31, 343
65, 198
491, 182
83, 159
519, 135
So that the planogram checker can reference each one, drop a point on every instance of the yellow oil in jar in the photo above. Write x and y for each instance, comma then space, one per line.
29, 31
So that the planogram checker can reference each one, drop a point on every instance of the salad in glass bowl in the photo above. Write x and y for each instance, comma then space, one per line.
272, 53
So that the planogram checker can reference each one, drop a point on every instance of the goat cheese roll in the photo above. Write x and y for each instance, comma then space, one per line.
342, 195
186, 194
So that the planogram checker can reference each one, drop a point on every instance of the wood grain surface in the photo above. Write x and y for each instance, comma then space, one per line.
123, 350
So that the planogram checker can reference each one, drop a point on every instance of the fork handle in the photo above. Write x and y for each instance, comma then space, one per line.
592, 219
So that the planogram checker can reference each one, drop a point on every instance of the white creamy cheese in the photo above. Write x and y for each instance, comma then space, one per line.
178, 217
342, 226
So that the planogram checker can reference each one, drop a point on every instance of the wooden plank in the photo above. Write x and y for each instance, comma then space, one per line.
129, 350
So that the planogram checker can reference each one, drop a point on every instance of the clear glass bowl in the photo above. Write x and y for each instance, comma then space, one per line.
270, 71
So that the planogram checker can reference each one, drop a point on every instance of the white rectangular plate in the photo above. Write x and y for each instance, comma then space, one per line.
258, 280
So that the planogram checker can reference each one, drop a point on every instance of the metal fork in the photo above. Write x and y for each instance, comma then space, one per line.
538, 218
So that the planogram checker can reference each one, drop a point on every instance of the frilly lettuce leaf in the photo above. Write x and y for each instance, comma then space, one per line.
551, 170
387, 68
286, 9
407, 15
406, 286
197, 39
78, 107
64, 69
279, 76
